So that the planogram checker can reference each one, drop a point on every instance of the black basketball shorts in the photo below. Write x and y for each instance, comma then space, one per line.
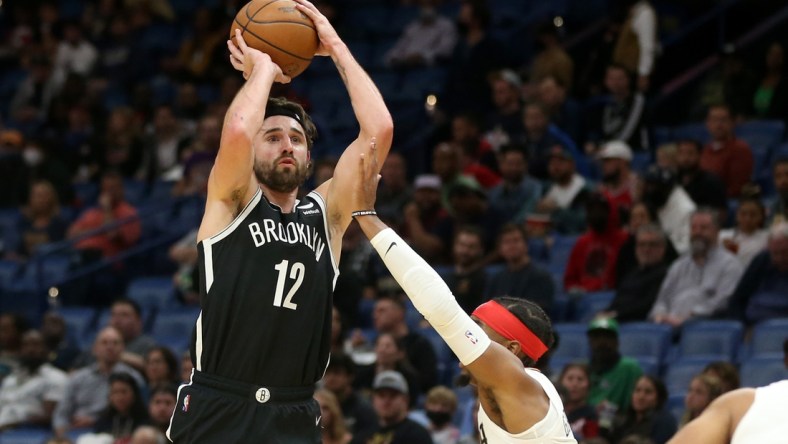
214, 410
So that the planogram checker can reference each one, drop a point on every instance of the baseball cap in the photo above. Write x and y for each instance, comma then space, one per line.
560, 151
464, 187
430, 181
390, 379
616, 149
606, 324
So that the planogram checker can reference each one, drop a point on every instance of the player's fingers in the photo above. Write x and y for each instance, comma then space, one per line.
239, 40
311, 13
234, 50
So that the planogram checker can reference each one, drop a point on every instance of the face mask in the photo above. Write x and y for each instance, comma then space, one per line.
439, 419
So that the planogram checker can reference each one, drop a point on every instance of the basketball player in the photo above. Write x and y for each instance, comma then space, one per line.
743, 416
269, 260
517, 405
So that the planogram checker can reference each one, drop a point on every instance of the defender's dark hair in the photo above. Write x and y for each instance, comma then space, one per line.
533, 317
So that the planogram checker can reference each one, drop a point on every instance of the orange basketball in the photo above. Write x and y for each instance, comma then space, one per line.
278, 29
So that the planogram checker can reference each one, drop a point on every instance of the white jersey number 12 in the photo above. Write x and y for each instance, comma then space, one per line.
297, 273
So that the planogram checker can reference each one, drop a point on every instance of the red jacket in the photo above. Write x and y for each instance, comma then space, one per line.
733, 163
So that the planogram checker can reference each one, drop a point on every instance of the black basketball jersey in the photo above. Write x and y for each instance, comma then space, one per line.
266, 296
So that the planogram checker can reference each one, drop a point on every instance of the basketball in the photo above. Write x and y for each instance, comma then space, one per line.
278, 29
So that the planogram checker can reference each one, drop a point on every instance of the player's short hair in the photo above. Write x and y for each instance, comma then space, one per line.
533, 317
310, 130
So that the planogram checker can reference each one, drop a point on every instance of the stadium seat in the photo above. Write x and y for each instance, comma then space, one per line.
719, 340
560, 251
589, 304
675, 405
8, 272
79, 321
25, 435
561, 309
648, 364
573, 341
153, 293
175, 323
757, 372
761, 134
693, 131
768, 337
10, 238
662, 135
645, 340
680, 373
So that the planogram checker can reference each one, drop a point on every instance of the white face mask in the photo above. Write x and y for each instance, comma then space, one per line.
32, 156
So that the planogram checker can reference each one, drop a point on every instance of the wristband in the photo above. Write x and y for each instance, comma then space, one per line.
364, 213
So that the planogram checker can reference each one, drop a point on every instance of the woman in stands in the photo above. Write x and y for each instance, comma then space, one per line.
703, 389
575, 379
126, 410
646, 415
331, 421
390, 355
161, 366
748, 237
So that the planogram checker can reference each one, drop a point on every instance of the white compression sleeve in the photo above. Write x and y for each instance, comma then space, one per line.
431, 297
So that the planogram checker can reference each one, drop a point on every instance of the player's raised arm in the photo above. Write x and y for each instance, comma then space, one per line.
232, 183
373, 117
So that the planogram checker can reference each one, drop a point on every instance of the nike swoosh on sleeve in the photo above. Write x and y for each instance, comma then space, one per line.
393, 244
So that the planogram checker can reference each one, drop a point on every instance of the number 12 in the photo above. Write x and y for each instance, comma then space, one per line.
297, 273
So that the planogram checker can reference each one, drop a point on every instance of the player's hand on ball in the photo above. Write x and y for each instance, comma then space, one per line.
245, 59
329, 39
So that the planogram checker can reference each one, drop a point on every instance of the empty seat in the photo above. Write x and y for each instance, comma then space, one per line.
152, 293
79, 321
712, 339
757, 372
572, 341
761, 134
768, 337
680, 373
692, 131
175, 324
560, 251
589, 304
644, 339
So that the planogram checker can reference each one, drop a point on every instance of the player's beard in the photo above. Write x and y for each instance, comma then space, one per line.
283, 181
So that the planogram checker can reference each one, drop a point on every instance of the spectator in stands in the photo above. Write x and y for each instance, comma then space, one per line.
517, 195
29, 394
332, 423
466, 131
87, 390
389, 317
506, 116
613, 376
187, 367
35, 93
619, 182
186, 279
469, 206
646, 415
125, 409
422, 216
467, 278
112, 209
61, 344
575, 379
667, 156
748, 237
637, 291
636, 46
565, 200
471, 167
75, 54
126, 317
762, 292
726, 372
13, 170
538, 138
475, 56
701, 282
394, 191
163, 398
592, 262
446, 164
41, 222
704, 188
621, 114
520, 278
339, 379
12, 327
440, 406
163, 146
390, 399
198, 54
771, 98
119, 52
726, 156
206, 138
390, 354
552, 60
703, 389
121, 147
562, 110
147, 435
426, 41
779, 210
43, 163
627, 261
672, 205
161, 366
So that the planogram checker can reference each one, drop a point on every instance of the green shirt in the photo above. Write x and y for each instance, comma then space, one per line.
615, 385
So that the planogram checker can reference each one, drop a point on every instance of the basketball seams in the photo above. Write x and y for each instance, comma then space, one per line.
276, 22
272, 45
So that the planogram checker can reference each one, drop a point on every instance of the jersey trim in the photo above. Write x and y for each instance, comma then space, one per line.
177, 397
198, 343
322, 204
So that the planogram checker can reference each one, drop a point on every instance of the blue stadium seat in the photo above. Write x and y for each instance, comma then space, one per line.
692, 131
589, 304
412, 316
9, 235
8, 272
562, 307
645, 339
757, 372
648, 364
719, 340
560, 251
662, 135
761, 134
675, 405
572, 341
152, 293
768, 337
79, 321
25, 435
175, 323
86, 193
680, 373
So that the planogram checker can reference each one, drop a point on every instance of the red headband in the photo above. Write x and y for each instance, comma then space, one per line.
507, 325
